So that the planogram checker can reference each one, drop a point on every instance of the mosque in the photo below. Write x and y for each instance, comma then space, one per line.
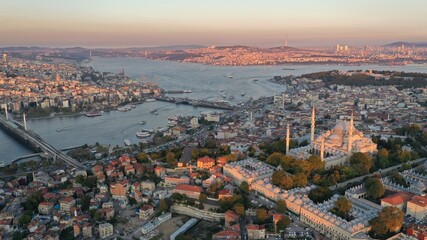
335, 146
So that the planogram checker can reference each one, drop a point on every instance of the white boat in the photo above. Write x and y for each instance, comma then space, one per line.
127, 142
124, 109
143, 134
187, 91
242, 94
150, 100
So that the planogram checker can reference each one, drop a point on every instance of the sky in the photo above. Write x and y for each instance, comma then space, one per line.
139, 23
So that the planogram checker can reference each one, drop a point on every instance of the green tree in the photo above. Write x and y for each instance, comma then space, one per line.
142, 157
203, 198
163, 206
24, 219
170, 158
261, 215
239, 208
342, 207
388, 222
244, 186
283, 223
300, 180
275, 159
67, 234
281, 206
85, 202
277, 177
374, 187
316, 163
362, 162
320, 194
18, 235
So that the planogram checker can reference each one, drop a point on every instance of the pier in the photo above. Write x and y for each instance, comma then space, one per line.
196, 102
35, 142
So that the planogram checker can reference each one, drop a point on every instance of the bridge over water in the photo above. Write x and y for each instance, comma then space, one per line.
20, 132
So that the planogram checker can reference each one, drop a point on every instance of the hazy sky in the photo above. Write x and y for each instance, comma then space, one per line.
122, 23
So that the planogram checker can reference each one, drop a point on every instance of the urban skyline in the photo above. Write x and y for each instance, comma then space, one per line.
133, 23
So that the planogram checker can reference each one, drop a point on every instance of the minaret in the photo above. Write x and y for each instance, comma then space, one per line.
350, 134
313, 122
283, 100
287, 138
6, 112
25, 122
250, 116
322, 149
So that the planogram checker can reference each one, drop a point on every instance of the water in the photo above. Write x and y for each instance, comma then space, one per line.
206, 82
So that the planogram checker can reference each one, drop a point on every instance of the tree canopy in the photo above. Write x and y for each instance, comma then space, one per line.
374, 187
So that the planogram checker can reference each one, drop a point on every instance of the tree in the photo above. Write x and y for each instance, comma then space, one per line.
389, 221
203, 198
239, 209
275, 159
24, 219
142, 157
320, 194
261, 215
300, 180
67, 234
342, 207
244, 186
277, 177
316, 163
33, 201
283, 223
18, 235
163, 206
281, 206
287, 182
362, 162
170, 158
374, 187
85, 202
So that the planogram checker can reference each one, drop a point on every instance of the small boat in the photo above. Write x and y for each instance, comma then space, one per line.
143, 122
93, 114
124, 109
153, 111
256, 79
127, 142
59, 130
187, 91
143, 134
242, 94
150, 100
229, 76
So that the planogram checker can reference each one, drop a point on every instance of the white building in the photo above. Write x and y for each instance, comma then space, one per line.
106, 230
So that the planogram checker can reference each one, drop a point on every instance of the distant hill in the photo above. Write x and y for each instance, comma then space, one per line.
409, 44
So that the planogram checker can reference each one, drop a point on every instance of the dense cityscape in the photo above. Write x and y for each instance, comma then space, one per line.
186, 122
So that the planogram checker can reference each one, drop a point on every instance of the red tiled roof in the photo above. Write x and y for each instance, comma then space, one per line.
397, 198
189, 188
419, 200
206, 159
227, 234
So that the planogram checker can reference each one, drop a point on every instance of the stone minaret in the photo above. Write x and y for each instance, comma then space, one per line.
25, 122
322, 149
350, 134
288, 134
313, 122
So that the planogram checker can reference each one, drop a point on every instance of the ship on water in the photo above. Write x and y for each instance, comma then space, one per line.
93, 114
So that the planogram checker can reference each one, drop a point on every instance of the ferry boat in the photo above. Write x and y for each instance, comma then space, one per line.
143, 134
93, 114
124, 109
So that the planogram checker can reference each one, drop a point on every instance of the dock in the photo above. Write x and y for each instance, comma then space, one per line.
196, 102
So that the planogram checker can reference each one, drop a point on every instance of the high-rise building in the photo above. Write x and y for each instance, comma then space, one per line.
4, 58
